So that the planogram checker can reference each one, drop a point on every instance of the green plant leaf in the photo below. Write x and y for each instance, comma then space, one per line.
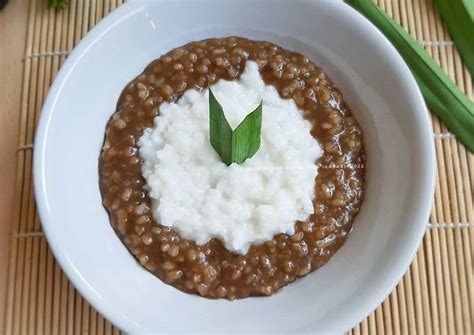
459, 19
234, 146
246, 137
220, 130
442, 96
59, 4
469, 6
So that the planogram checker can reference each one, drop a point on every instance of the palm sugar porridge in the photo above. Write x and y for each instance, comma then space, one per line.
238, 230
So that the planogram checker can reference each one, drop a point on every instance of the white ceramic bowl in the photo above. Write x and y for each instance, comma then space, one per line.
374, 80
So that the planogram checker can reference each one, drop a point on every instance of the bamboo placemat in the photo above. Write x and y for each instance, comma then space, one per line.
434, 297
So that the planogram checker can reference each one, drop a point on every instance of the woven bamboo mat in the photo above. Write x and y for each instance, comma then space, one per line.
434, 297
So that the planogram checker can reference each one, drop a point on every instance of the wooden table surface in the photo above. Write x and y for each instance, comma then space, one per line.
12, 43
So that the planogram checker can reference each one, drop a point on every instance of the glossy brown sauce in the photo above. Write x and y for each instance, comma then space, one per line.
211, 270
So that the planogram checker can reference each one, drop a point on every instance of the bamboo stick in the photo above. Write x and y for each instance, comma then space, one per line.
21, 291
354, 331
106, 7
63, 305
71, 25
414, 274
100, 324
108, 328
403, 309
14, 247
33, 289
40, 312
99, 14
395, 316
387, 317
433, 296
372, 325
70, 310
365, 326
56, 299
410, 304
49, 293
77, 313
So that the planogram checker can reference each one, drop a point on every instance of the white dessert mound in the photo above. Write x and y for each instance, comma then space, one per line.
201, 197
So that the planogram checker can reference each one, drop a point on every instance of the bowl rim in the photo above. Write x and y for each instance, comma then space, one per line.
48, 109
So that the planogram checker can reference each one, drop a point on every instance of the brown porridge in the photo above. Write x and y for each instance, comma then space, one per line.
211, 270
